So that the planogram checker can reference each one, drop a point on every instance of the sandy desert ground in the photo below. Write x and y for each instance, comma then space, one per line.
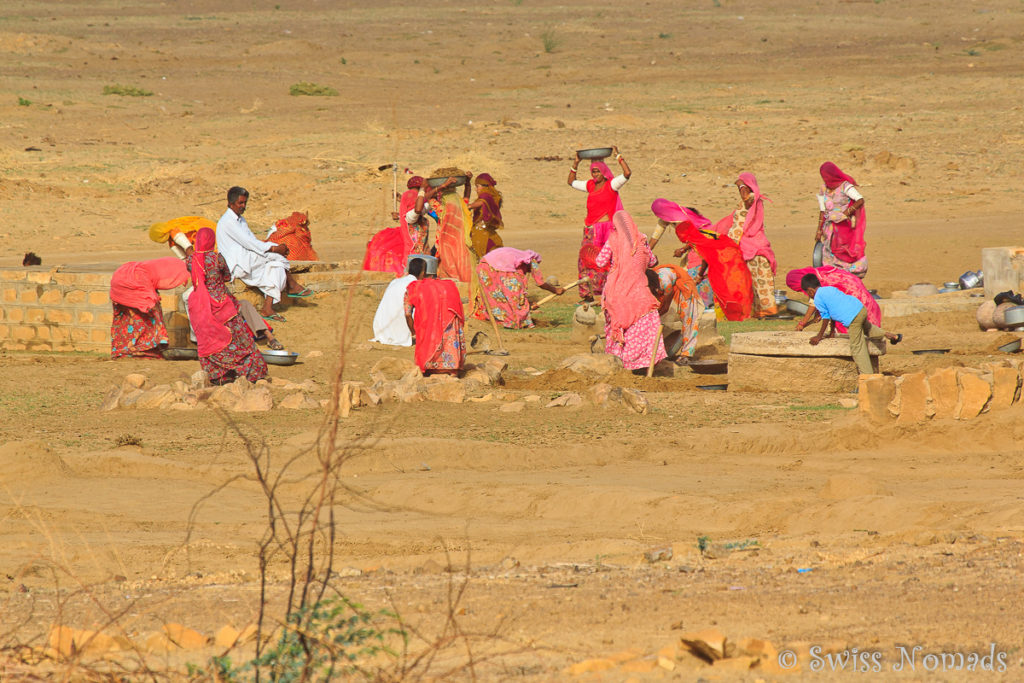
911, 535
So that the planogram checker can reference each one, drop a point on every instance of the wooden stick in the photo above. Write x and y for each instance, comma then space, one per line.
654, 351
549, 297
487, 308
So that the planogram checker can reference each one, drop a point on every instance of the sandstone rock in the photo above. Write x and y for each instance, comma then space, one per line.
640, 666
635, 401
914, 398
599, 365
344, 400
481, 399
708, 644
298, 401
255, 400
368, 397
569, 400
134, 381
667, 663
159, 397
404, 393
601, 394
974, 395
446, 392
476, 374
185, 406
226, 637
391, 369
874, 395
111, 399
756, 647
1006, 386
825, 375
514, 407
199, 379
129, 397
662, 554
945, 392
185, 638
531, 398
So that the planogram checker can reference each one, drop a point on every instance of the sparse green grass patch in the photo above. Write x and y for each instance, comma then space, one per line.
126, 91
312, 90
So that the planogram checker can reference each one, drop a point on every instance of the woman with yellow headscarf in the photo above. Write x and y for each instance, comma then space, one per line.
486, 216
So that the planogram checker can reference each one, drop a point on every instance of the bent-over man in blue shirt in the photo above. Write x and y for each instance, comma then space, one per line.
834, 305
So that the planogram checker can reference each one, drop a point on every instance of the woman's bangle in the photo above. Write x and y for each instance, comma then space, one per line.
573, 169
421, 193
618, 157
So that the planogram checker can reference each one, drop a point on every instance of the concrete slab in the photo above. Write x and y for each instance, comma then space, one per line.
899, 306
789, 374
1003, 268
795, 344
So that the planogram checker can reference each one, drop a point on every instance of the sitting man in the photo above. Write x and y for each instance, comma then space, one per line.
263, 265
389, 325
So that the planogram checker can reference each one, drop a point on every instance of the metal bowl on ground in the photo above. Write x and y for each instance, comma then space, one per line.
709, 366
947, 290
595, 153
180, 354
280, 357
999, 314
798, 307
818, 255
713, 387
954, 285
970, 280
1012, 347
438, 182
874, 293
1013, 317
928, 352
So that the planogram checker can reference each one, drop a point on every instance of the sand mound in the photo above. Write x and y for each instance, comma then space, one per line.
24, 460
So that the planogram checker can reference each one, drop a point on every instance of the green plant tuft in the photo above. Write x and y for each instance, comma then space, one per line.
22, 102
312, 90
125, 91
551, 40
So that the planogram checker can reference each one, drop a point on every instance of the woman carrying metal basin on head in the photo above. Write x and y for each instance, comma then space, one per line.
602, 202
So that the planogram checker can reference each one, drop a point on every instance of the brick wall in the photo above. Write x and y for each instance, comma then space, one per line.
69, 309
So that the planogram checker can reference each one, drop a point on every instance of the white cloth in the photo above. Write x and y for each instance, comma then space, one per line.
389, 326
249, 259
617, 183
849, 190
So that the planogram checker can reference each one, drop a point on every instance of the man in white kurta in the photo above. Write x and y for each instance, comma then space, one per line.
259, 264
389, 324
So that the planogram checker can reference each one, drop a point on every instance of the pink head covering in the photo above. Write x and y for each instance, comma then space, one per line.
753, 242
626, 296
136, 283
671, 212
833, 176
414, 182
208, 316
603, 167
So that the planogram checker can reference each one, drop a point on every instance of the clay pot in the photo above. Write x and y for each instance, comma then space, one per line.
999, 315
984, 315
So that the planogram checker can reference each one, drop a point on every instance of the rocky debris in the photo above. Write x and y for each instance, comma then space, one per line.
452, 391
299, 401
662, 554
955, 392
197, 394
635, 401
709, 644
513, 407
389, 369
598, 365
569, 400
605, 395
134, 381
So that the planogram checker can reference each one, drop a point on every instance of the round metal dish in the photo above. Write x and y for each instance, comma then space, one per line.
713, 387
947, 290
280, 357
180, 354
951, 285
709, 366
595, 153
926, 352
1014, 316
798, 307
438, 182
1012, 347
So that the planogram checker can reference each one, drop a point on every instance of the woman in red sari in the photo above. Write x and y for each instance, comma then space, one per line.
632, 323
226, 346
390, 248
138, 326
433, 311
731, 284
842, 221
602, 202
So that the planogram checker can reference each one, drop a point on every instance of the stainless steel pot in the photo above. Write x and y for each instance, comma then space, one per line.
970, 280
818, 256
1014, 317
798, 307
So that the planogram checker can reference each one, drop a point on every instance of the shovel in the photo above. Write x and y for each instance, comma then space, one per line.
569, 286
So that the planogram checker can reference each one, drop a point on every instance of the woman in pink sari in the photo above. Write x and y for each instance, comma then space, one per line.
389, 249
226, 346
602, 202
842, 221
137, 328
745, 226
632, 323
845, 282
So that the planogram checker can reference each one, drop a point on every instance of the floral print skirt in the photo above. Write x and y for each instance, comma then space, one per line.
240, 358
506, 292
137, 334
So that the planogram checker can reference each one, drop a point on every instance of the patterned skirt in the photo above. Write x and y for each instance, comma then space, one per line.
484, 240
764, 287
590, 247
451, 354
639, 339
506, 293
858, 267
137, 334
240, 358
707, 295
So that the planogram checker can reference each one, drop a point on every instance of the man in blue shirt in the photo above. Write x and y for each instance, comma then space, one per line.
837, 306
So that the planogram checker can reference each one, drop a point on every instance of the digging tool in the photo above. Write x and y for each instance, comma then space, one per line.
594, 338
654, 351
569, 286
501, 351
